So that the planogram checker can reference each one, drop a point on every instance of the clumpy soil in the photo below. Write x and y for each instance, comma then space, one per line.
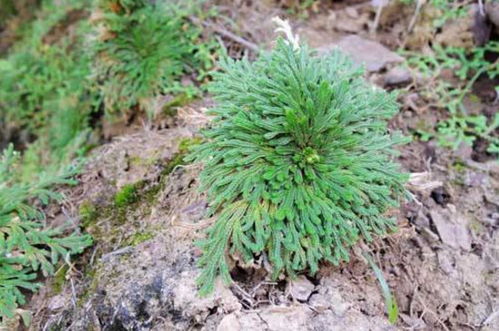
442, 265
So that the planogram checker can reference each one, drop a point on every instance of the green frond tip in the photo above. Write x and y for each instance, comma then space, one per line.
298, 162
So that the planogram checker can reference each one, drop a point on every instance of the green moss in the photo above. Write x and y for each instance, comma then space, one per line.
459, 166
476, 226
187, 143
136, 160
59, 279
178, 159
88, 214
126, 196
138, 238
90, 275
170, 108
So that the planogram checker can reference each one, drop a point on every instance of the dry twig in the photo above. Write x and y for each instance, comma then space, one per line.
225, 33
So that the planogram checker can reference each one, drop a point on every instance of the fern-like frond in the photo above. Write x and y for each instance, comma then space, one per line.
298, 161
145, 50
26, 244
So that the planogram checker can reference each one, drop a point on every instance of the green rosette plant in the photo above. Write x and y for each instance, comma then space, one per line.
142, 50
298, 161
144, 56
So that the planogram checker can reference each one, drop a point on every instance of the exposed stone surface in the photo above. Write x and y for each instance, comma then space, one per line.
492, 11
349, 20
452, 227
370, 53
229, 323
397, 75
301, 288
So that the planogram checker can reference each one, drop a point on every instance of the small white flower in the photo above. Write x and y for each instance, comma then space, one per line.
283, 26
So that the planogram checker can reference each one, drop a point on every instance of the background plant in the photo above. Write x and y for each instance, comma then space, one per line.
44, 95
467, 66
27, 245
121, 6
52, 109
298, 162
448, 9
301, 8
144, 51
48, 95
46, 106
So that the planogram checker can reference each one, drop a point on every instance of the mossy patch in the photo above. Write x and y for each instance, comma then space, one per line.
459, 167
88, 214
59, 279
144, 162
135, 199
139, 238
126, 196
170, 108
185, 144
140, 195
113, 219
178, 159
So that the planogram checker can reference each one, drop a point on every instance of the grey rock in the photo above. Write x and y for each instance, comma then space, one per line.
422, 220
301, 288
319, 302
286, 318
397, 75
251, 322
492, 11
229, 323
330, 297
446, 263
371, 53
452, 227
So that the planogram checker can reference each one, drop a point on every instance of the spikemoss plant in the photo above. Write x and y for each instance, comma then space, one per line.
27, 245
44, 95
141, 54
298, 162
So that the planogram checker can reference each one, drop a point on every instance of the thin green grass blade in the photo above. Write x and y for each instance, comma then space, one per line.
390, 302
